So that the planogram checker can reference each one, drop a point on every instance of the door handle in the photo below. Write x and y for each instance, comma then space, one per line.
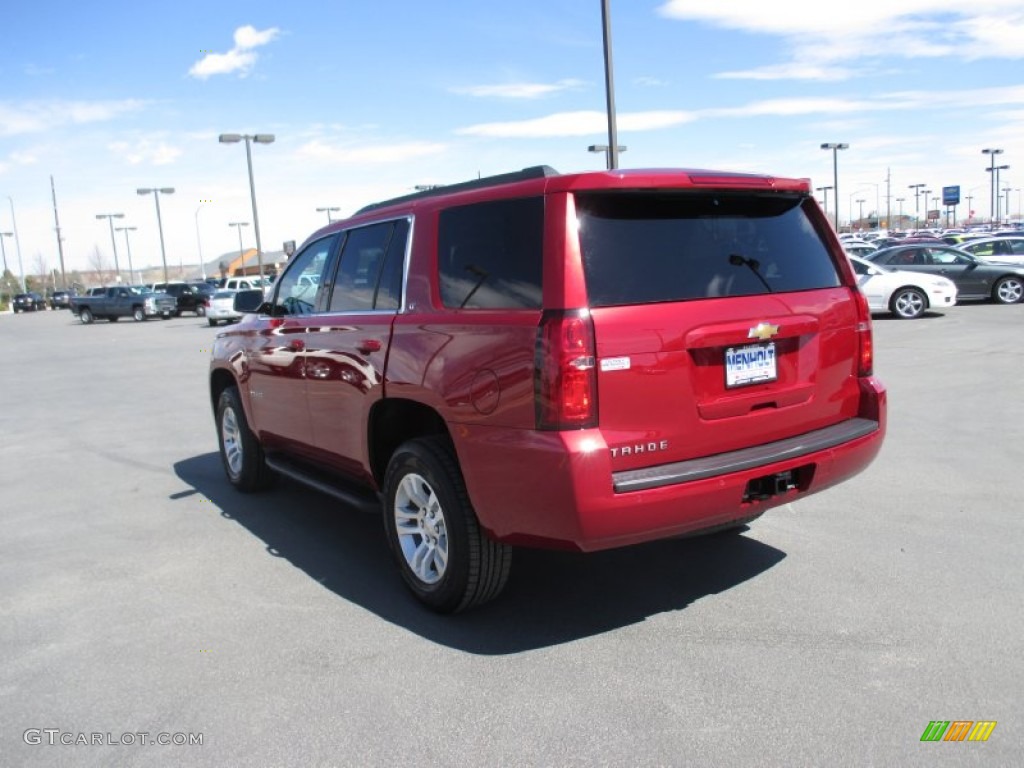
366, 346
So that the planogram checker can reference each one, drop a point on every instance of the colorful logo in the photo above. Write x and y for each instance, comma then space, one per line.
958, 730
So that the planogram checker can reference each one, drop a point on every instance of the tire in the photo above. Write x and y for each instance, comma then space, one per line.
1008, 290
212, 322
85, 316
447, 561
240, 451
200, 310
908, 303
139, 315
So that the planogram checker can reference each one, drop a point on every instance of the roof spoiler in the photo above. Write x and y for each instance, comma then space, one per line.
533, 172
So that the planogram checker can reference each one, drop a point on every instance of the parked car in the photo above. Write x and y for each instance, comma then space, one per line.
62, 299
907, 295
858, 249
1007, 249
975, 278
122, 301
190, 297
222, 307
28, 302
584, 361
243, 283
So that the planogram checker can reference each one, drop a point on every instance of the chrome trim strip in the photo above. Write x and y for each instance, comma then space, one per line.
747, 458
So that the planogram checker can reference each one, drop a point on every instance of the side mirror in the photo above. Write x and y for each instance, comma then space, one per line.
248, 301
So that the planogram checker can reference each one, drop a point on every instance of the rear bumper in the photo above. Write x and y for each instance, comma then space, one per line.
558, 489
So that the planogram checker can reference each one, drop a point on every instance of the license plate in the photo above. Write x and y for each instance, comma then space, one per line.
750, 364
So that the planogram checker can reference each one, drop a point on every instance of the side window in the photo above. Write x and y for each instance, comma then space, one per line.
389, 289
490, 255
359, 269
297, 288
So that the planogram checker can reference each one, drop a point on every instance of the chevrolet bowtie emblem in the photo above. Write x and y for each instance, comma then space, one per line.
762, 331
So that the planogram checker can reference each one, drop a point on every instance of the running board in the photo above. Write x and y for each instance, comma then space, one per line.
325, 482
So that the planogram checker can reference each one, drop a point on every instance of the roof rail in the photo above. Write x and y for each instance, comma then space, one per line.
533, 172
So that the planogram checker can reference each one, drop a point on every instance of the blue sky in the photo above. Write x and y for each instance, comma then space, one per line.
369, 99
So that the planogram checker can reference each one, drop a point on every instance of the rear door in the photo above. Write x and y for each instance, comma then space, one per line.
722, 321
346, 349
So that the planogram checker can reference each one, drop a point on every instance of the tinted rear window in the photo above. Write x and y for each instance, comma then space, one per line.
642, 248
490, 254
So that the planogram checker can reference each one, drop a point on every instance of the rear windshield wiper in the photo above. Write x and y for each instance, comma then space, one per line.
753, 264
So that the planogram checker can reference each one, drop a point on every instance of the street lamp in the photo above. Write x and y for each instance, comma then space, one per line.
3, 250
835, 147
900, 201
241, 251
860, 217
259, 138
995, 190
917, 203
824, 191
199, 243
157, 191
992, 186
609, 88
128, 246
607, 156
1006, 191
924, 194
331, 208
110, 220
17, 244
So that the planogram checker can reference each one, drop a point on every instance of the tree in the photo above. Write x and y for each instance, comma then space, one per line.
100, 266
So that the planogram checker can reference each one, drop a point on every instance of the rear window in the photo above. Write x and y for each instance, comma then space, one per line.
643, 247
490, 254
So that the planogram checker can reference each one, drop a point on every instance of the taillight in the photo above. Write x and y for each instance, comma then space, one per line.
565, 376
865, 343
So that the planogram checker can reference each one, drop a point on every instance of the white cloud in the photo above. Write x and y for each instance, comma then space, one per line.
317, 149
582, 123
586, 123
821, 34
791, 71
145, 151
249, 37
519, 90
40, 116
240, 59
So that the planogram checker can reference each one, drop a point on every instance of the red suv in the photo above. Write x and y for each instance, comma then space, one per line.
581, 361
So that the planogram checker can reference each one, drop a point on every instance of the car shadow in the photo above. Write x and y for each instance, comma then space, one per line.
551, 598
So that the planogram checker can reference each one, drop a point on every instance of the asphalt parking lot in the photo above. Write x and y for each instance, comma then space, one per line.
139, 594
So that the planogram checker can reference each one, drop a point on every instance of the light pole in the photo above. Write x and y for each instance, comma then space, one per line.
609, 87
917, 203
110, 220
1006, 191
331, 208
17, 244
835, 147
3, 249
925, 193
241, 251
900, 201
607, 156
991, 181
199, 243
157, 191
259, 138
128, 246
860, 217
995, 190
824, 192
